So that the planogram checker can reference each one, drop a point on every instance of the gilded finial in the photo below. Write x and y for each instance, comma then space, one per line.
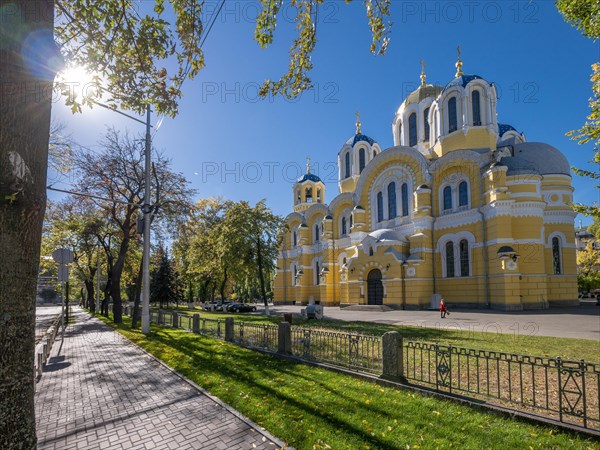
358, 123
458, 64
308, 164
423, 76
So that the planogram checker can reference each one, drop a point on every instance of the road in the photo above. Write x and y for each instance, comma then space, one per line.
44, 316
582, 322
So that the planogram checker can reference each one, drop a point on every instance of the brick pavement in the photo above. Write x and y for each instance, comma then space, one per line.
99, 391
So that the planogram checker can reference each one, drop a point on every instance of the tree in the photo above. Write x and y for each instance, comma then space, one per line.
116, 173
585, 16
130, 52
71, 224
588, 268
163, 279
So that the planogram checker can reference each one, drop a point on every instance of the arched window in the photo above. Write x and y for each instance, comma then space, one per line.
412, 130
347, 164
449, 259
556, 263
318, 195
351, 221
447, 198
374, 153
391, 200
463, 194
476, 108
379, 207
317, 234
361, 160
317, 273
426, 123
371, 251
309, 195
452, 119
344, 228
298, 198
463, 247
404, 199
295, 275
295, 238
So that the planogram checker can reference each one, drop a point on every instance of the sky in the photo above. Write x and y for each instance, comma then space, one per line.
228, 142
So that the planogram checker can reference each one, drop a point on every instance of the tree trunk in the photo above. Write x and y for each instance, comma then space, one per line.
25, 104
222, 287
138, 294
261, 275
115, 277
91, 295
213, 290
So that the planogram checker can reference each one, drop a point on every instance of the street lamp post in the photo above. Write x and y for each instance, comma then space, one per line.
146, 209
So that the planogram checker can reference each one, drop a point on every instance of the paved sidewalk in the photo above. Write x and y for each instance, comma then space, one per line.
99, 391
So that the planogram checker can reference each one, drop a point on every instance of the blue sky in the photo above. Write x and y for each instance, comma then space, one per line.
228, 142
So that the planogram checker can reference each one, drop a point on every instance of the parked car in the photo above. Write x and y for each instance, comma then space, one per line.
241, 307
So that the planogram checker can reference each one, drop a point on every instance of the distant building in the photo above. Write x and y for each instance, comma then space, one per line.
462, 206
583, 237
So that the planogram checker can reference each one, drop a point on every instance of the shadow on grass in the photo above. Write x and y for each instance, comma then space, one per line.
206, 357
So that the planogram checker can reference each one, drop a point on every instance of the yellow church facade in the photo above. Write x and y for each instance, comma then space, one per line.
461, 207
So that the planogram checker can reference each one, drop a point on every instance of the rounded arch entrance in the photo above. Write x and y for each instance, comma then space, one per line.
374, 287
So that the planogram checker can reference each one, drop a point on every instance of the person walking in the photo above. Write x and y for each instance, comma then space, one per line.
443, 309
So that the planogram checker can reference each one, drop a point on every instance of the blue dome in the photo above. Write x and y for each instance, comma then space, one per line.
503, 128
462, 81
358, 138
309, 177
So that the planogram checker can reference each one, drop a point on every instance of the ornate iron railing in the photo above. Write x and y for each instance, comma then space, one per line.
566, 390
355, 351
253, 335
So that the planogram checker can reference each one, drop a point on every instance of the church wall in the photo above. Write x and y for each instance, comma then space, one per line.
475, 137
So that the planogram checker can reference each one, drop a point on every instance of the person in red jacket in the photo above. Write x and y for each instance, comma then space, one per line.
443, 309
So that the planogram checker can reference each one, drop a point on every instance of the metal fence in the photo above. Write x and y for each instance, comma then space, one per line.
566, 390
355, 351
253, 335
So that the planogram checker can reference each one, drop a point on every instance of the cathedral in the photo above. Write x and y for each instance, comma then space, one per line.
462, 207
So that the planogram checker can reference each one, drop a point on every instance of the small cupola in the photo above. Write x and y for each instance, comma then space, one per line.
308, 189
358, 151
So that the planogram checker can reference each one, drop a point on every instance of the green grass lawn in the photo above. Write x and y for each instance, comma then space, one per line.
566, 348
313, 408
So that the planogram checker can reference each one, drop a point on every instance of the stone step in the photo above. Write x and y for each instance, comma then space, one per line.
381, 308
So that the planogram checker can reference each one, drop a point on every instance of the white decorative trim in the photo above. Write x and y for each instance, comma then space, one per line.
497, 208
457, 219
561, 216
528, 209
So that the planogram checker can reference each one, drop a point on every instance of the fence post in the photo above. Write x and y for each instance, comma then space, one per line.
160, 317
229, 329
196, 323
392, 355
175, 319
284, 338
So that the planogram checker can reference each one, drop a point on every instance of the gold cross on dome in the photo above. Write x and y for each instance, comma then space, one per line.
308, 164
458, 64
358, 123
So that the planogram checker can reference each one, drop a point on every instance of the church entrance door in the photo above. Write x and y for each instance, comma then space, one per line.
374, 288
